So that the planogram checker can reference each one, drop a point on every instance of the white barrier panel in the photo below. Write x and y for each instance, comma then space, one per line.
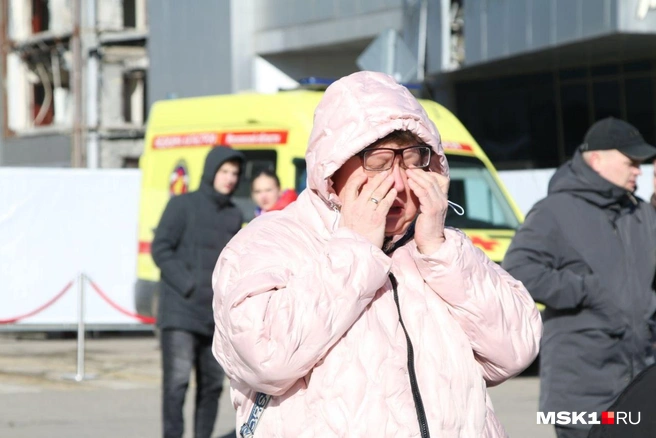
526, 186
56, 224
529, 186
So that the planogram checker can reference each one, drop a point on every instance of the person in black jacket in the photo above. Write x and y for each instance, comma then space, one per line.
193, 230
652, 200
634, 412
588, 253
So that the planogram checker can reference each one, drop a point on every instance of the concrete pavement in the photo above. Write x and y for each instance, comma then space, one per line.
124, 398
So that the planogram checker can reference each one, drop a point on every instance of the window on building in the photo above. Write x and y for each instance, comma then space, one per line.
134, 97
533, 121
542, 118
38, 90
134, 14
40, 16
574, 114
606, 95
27, 18
509, 118
130, 162
129, 13
640, 106
457, 43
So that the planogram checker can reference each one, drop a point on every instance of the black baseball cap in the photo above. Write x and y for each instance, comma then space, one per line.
611, 133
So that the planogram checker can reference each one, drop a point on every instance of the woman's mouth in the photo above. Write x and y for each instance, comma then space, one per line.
395, 210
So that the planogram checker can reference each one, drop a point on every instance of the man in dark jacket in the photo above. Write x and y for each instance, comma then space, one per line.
588, 253
653, 196
192, 232
634, 411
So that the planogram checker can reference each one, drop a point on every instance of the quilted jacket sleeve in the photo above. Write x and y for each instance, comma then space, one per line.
276, 320
494, 310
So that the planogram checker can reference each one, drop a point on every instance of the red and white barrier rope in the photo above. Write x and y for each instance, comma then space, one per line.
141, 318
40, 308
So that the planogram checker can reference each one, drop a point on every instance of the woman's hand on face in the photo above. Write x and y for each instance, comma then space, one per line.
431, 189
366, 204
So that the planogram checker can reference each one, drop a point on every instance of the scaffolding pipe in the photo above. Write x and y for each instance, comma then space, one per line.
77, 144
93, 96
421, 42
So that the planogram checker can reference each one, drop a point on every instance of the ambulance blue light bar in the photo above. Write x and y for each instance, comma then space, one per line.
317, 82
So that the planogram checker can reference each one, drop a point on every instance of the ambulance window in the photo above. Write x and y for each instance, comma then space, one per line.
473, 187
301, 174
256, 161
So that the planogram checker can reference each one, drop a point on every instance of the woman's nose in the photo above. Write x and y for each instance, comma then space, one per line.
399, 177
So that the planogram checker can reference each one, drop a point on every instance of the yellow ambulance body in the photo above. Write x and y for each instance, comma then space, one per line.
273, 131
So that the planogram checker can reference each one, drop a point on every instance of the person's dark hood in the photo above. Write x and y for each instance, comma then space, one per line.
579, 179
215, 158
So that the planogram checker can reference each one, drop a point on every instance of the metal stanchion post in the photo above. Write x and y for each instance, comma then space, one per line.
79, 375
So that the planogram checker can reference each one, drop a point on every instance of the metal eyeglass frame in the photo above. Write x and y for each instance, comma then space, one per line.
363, 152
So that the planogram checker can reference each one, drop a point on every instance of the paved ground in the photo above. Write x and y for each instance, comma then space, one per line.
123, 398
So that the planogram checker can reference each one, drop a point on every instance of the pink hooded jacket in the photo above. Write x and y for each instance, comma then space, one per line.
305, 310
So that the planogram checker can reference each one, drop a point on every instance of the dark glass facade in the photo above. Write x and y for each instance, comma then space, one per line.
538, 120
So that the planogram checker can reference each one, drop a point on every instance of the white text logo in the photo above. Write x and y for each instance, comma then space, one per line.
607, 417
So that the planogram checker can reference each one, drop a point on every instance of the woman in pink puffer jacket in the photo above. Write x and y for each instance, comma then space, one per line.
354, 308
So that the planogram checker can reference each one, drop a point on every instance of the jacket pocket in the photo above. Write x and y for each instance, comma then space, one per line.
591, 361
562, 323
185, 289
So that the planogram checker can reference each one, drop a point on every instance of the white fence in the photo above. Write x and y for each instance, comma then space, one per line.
56, 224
59, 224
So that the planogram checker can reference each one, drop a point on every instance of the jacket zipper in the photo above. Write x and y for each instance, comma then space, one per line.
419, 405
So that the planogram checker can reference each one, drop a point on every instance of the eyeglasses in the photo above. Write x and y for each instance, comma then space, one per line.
379, 159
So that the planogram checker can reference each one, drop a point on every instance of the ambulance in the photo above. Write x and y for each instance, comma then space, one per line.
272, 130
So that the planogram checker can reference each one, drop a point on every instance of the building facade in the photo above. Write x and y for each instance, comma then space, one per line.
74, 76
536, 74
526, 77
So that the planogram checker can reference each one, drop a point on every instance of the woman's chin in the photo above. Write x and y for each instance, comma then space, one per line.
396, 226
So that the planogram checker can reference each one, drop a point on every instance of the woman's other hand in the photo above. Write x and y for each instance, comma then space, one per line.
431, 189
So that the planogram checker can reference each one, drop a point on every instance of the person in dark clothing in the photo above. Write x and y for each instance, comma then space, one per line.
588, 253
634, 411
653, 196
193, 230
